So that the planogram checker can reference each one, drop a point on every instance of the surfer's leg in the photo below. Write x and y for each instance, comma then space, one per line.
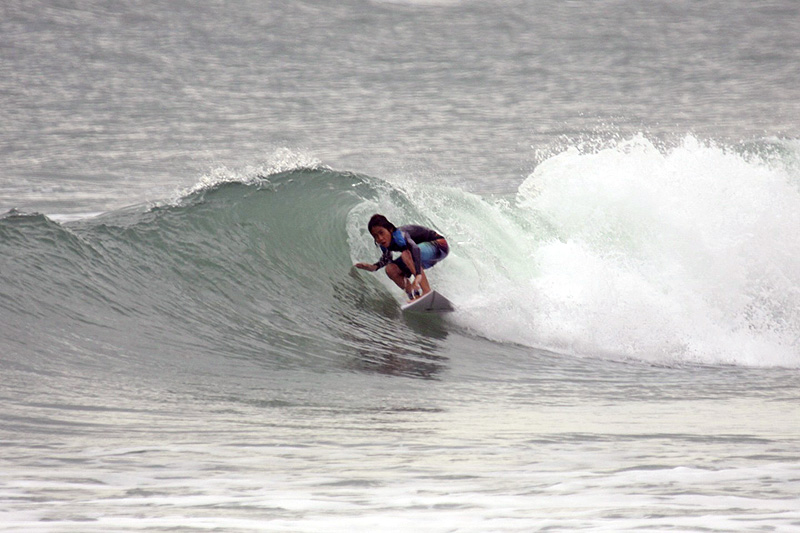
396, 275
430, 253
423, 283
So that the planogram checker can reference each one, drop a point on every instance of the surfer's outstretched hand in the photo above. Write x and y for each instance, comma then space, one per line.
366, 266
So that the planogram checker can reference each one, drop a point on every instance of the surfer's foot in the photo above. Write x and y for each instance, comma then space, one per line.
413, 295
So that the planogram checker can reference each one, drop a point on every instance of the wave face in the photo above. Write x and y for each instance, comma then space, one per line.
245, 266
670, 256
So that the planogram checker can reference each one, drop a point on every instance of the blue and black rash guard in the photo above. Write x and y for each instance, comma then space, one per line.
406, 238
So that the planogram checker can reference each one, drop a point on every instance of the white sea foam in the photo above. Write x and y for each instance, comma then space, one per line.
470, 468
689, 254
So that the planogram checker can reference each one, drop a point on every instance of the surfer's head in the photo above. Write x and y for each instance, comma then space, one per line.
381, 230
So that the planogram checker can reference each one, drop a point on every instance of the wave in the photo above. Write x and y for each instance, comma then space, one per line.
673, 255
249, 266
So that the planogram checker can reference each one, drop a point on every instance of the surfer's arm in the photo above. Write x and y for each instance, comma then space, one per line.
411, 255
412, 262
408, 260
382, 262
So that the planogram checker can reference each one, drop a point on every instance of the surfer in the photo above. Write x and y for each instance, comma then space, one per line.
420, 248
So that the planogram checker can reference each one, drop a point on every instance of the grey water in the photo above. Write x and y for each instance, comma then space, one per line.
184, 188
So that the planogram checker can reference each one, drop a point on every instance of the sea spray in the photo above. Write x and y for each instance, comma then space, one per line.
689, 254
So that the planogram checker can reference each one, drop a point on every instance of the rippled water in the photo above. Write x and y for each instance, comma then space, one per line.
184, 346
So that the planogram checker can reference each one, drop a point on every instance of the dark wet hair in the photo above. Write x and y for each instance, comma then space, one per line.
380, 220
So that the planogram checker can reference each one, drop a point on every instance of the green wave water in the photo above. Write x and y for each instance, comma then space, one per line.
628, 252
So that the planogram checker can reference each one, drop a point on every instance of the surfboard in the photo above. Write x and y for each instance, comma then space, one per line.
433, 302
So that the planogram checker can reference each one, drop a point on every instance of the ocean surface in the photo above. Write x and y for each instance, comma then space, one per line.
186, 347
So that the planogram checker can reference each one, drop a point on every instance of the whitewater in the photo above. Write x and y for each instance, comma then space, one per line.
185, 344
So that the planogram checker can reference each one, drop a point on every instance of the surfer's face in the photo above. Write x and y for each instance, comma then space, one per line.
382, 236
